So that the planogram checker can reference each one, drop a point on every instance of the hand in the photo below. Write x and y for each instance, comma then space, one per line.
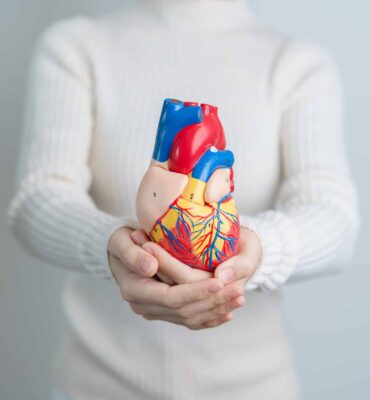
240, 268
122, 248
196, 305
171, 270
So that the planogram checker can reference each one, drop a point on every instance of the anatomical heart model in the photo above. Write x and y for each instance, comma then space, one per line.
184, 201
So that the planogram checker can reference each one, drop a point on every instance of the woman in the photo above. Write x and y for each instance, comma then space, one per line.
96, 89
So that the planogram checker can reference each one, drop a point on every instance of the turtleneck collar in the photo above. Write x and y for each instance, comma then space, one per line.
199, 15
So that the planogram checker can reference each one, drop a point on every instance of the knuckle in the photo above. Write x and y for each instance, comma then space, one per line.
211, 324
220, 299
148, 317
218, 311
193, 326
197, 327
168, 300
125, 296
175, 304
135, 309
192, 323
171, 301
222, 310
184, 313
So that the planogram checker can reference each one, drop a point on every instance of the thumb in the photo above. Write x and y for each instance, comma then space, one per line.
173, 268
235, 268
139, 237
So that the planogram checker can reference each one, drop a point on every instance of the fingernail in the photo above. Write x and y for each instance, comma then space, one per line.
226, 275
144, 264
235, 293
147, 248
228, 317
134, 235
241, 301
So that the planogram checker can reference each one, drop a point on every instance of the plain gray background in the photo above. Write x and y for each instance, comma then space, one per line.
328, 319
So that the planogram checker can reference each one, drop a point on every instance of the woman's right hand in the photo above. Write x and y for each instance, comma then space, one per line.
201, 304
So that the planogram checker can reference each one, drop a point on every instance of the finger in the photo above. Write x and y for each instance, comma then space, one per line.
149, 291
173, 268
244, 264
179, 295
174, 319
165, 279
139, 261
193, 326
133, 257
223, 296
219, 321
139, 237
240, 283
217, 312
153, 310
136, 289
198, 318
235, 268
150, 312
189, 316
210, 324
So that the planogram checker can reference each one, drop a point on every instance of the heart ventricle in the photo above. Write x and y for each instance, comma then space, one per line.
199, 236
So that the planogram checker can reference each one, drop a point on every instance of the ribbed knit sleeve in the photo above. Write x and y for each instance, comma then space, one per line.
52, 214
312, 228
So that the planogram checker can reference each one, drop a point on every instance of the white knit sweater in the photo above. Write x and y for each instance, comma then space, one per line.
96, 89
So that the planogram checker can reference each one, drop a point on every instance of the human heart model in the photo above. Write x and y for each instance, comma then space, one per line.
184, 200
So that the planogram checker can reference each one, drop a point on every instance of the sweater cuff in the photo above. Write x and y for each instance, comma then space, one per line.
280, 247
94, 241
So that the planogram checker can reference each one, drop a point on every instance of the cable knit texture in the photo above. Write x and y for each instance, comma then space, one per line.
96, 89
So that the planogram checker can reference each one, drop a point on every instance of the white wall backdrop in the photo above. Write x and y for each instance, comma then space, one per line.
328, 319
